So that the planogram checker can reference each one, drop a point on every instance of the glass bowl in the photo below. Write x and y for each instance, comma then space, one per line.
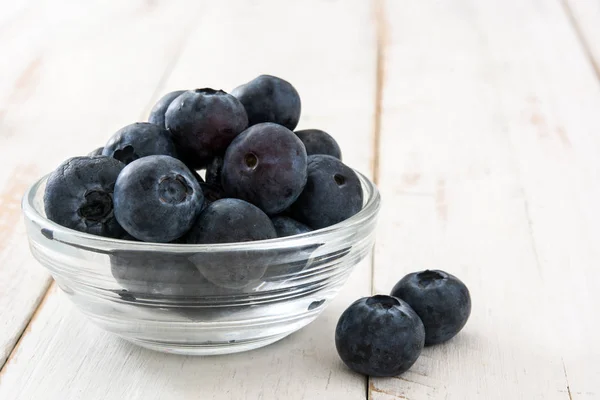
201, 299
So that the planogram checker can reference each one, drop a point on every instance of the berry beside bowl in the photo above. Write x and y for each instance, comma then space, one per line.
201, 299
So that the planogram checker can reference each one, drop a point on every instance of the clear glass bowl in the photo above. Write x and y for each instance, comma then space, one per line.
201, 299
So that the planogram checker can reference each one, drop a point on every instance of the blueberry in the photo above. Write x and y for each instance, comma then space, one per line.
157, 115
145, 273
379, 336
149, 276
267, 98
203, 122
286, 226
289, 262
211, 193
266, 166
139, 140
214, 171
441, 300
332, 193
96, 152
231, 220
319, 142
79, 195
226, 221
157, 199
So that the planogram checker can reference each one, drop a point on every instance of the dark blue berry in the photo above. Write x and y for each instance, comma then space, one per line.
214, 171
266, 166
149, 276
231, 220
286, 264
157, 115
203, 122
211, 193
286, 226
96, 152
139, 140
289, 262
441, 300
79, 195
379, 336
319, 142
145, 273
227, 221
270, 99
157, 199
332, 193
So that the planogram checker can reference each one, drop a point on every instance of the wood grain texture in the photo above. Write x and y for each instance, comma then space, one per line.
487, 171
22, 283
488, 140
65, 357
66, 85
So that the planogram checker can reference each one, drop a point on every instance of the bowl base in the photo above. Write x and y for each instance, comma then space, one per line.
206, 348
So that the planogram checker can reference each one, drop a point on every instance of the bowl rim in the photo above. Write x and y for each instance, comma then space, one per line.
86, 240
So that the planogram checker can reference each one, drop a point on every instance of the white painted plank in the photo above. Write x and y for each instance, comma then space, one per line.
558, 162
65, 357
67, 85
13, 11
585, 16
489, 171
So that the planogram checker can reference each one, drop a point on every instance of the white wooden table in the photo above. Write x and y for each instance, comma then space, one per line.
479, 120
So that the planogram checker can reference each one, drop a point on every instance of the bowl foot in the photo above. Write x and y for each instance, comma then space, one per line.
206, 348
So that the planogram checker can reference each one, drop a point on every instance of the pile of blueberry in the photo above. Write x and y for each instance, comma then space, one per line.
384, 335
262, 179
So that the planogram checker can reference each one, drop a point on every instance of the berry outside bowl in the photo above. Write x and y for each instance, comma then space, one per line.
201, 299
